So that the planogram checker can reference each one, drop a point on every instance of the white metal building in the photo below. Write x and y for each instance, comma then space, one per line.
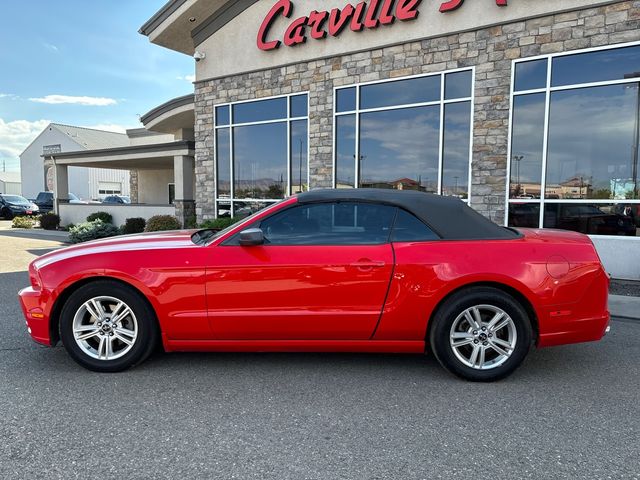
86, 183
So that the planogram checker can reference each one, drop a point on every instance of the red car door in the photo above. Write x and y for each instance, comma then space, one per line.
322, 274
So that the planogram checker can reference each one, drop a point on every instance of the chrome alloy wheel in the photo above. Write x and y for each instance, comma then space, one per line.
105, 328
483, 337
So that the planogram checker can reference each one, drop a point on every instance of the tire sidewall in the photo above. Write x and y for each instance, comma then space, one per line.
144, 316
458, 303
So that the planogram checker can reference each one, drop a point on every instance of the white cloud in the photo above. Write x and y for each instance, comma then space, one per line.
188, 78
15, 136
68, 99
8, 95
50, 46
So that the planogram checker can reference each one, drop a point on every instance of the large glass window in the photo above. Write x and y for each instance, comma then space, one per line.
412, 133
261, 151
575, 142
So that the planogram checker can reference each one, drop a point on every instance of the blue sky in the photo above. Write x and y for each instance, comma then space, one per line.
80, 63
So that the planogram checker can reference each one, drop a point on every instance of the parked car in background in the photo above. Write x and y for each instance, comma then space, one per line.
15, 205
589, 219
117, 200
44, 201
361, 270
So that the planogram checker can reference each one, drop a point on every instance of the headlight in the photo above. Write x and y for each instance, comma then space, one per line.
34, 277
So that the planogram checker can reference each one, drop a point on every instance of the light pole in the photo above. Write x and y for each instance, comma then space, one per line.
517, 159
455, 189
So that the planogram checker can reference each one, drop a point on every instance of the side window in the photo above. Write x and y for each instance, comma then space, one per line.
409, 229
343, 223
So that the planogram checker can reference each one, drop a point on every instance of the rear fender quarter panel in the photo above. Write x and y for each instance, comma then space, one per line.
426, 273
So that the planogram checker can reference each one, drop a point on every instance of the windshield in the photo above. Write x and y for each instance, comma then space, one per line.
16, 200
205, 237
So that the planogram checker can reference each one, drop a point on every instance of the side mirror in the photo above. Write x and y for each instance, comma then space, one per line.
251, 237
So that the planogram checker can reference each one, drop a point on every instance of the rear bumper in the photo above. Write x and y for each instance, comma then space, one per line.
577, 331
35, 314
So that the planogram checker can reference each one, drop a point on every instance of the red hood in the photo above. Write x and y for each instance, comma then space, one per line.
142, 241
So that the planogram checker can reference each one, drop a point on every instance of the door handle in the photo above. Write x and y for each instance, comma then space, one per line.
366, 264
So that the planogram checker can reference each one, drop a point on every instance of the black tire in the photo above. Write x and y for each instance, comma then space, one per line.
454, 307
147, 327
7, 214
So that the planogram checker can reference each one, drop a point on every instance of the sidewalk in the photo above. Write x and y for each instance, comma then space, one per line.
37, 234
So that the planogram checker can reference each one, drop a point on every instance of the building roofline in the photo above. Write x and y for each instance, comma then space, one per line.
167, 107
152, 148
160, 16
141, 132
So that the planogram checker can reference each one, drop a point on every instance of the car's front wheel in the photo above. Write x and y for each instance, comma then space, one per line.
481, 334
106, 326
7, 214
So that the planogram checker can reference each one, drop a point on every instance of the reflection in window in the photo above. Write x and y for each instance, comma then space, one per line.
400, 92
260, 110
299, 163
345, 151
399, 149
595, 219
527, 145
531, 75
261, 153
395, 140
524, 215
346, 99
259, 170
458, 85
223, 163
586, 179
455, 154
593, 143
598, 66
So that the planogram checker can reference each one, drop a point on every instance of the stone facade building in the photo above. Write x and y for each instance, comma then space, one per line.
475, 99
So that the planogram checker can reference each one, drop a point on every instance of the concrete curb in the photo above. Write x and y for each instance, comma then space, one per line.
622, 306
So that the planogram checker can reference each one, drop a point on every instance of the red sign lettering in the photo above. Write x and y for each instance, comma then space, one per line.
363, 15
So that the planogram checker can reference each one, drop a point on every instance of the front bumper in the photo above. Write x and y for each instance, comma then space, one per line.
34, 309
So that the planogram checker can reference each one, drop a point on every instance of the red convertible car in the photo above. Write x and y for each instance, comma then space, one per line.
329, 270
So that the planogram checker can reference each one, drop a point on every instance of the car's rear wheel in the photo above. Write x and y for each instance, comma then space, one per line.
481, 334
107, 327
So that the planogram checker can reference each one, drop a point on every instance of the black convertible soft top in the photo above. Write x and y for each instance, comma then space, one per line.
449, 217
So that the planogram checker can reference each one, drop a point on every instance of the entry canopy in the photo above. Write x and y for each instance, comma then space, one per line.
449, 217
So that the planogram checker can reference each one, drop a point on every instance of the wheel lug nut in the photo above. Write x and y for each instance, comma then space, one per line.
485, 343
475, 332
490, 335
475, 341
99, 324
484, 329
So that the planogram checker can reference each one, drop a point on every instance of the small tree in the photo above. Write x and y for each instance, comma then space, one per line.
160, 223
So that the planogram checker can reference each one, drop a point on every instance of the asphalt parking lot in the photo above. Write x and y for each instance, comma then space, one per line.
569, 412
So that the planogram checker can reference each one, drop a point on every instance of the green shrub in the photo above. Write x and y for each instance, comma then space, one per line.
219, 223
134, 225
191, 222
160, 223
49, 221
84, 232
23, 222
104, 216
